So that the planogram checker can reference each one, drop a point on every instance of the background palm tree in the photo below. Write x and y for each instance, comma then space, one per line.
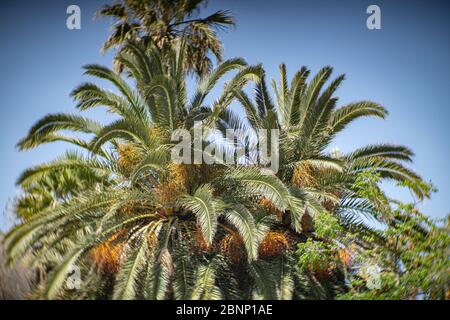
160, 23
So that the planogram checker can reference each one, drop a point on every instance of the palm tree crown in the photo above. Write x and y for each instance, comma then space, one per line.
160, 23
146, 227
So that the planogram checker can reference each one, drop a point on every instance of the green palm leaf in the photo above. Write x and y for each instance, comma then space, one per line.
204, 206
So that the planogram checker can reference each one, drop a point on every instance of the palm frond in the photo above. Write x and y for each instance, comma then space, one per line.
47, 126
205, 284
204, 206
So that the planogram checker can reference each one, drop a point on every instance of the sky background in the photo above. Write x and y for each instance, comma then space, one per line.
404, 66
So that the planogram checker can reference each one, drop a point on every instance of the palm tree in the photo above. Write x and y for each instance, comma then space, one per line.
160, 23
308, 118
151, 194
141, 226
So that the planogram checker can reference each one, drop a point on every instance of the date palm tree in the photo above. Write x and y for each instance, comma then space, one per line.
160, 23
141, 226
159, 207
308, 119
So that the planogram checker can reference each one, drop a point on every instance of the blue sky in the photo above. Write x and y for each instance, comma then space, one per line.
404, 66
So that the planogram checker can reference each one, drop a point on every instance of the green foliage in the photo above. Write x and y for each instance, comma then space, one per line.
414, 260
141, 227
327, 226
161, 24
314, 255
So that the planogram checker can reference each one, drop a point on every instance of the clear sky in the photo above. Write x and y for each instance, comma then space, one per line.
404, 66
